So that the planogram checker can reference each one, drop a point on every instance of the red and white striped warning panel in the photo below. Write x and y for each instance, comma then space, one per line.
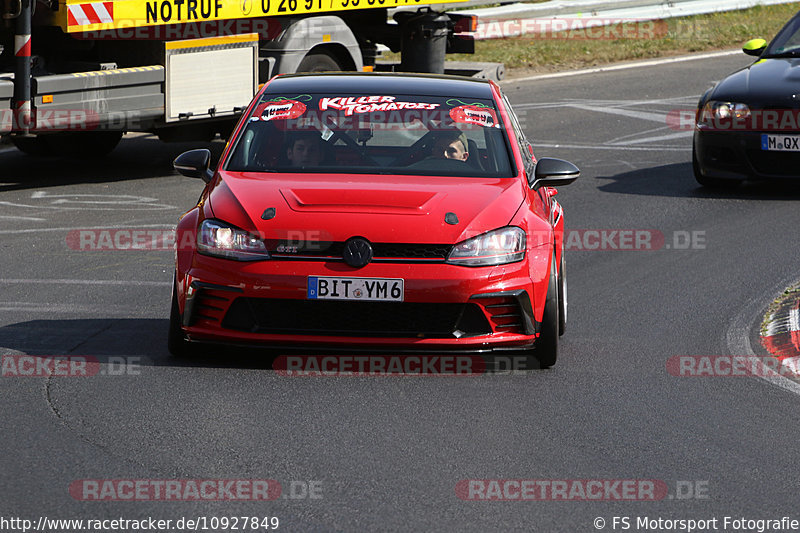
94, 13
781, 337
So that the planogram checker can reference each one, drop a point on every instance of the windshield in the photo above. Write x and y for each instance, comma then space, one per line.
373, 134
787, 42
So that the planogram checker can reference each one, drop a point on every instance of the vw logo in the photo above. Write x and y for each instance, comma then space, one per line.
357, 252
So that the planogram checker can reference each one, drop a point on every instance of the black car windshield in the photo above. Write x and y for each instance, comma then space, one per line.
787, 42
373, 134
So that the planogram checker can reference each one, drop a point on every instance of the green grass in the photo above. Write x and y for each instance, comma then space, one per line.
669, 37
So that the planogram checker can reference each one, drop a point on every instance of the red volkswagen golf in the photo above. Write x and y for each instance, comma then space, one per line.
372, 211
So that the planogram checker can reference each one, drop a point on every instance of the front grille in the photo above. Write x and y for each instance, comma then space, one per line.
210, 305
775, 163
723, 157
426, 251
381, 251
504, 314
361, 319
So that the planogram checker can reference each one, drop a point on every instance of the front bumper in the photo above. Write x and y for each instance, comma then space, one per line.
445, 307
737, 155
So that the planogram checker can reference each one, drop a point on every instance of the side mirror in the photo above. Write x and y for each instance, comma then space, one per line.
195, 164
551, 172
754, 47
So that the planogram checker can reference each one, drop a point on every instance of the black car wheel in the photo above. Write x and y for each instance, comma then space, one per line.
546, 348
705, 181
562, 297
176, 340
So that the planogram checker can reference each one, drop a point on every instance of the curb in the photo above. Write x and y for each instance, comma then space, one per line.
781, 336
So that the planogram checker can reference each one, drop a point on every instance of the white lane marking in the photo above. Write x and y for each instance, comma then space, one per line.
689, 100
617, 140
33, 219
98, 198
677, 135
643, 115
738, 339
37, 230
607, 147
625, 66
85, 282
142, 207
95, 202
47, 307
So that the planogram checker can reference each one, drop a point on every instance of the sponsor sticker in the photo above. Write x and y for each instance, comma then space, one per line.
475, 114
279, 109
369, 104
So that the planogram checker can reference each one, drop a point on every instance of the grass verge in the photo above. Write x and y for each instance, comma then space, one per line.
576, 49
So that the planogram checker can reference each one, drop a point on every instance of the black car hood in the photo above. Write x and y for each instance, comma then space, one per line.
767, 82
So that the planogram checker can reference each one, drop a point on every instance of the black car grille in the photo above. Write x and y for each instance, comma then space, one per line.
775, 163
362, 319
380, 251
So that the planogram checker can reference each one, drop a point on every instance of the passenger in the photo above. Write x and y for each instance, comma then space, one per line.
450, 144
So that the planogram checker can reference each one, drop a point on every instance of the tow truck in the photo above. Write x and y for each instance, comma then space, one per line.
76, 75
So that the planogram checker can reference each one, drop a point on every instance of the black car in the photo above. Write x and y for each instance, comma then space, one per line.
748, 124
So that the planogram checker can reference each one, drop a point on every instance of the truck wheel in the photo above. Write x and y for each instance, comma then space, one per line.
84, 145
33, 146
318, 62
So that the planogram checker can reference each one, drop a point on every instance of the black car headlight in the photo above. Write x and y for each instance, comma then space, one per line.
717, 112
223, 240
498, 247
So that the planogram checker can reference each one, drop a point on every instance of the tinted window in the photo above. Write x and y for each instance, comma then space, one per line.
366, 133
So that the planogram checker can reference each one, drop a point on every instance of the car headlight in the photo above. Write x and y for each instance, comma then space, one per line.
498, 247
223, 240
715, 111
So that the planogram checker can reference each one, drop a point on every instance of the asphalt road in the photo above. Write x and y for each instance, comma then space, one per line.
387, 454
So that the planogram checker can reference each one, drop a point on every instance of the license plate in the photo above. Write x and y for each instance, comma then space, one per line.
780, 143
363, 289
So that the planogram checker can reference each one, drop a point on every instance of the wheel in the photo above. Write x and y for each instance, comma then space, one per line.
711, 183
33, 146
546, 348
176, 340
318, 62
84, 145
562, 296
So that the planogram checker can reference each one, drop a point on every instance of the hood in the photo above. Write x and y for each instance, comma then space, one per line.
395, 209
765, 83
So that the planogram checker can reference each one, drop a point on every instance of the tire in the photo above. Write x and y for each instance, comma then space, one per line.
546, 348
318, 62
562, 297
33, 146
84, 145
711, 183
176, 340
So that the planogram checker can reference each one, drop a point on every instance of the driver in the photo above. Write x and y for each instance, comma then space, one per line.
305, 150
450, 144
